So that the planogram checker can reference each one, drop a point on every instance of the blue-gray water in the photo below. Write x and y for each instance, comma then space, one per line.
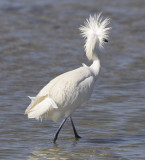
40, 40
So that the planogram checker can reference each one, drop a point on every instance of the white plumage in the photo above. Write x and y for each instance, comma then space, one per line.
66, 92
95, 31
62, 95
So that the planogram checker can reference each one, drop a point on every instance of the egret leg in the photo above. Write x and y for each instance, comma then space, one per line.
74, 129
56, 135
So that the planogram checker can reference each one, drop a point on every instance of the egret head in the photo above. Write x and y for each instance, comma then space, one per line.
96, 34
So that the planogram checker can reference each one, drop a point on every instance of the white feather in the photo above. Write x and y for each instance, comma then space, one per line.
51, 101
32, 98
95, 30
62, 95
41, 108
84, 65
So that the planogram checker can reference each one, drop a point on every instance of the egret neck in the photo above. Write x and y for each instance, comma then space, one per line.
93, 53
96, 66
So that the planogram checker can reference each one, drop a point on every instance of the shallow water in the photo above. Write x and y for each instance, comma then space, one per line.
40, 40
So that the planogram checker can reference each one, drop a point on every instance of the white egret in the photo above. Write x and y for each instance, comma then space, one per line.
62, 95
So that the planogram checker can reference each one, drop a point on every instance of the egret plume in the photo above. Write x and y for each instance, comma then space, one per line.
95, 31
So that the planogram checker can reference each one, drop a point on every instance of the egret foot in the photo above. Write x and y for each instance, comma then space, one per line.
77, 136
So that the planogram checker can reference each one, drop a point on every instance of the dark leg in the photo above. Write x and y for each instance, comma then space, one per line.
74, 129
56, 135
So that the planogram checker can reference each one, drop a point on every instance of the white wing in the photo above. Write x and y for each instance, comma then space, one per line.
66, 92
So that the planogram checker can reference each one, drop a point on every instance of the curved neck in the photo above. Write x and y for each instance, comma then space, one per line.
91, 47
93, 53
95, 67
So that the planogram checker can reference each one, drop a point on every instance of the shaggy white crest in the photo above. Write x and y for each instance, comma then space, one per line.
95, 31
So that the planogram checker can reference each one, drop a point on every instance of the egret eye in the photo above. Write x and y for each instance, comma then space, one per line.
105, 40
